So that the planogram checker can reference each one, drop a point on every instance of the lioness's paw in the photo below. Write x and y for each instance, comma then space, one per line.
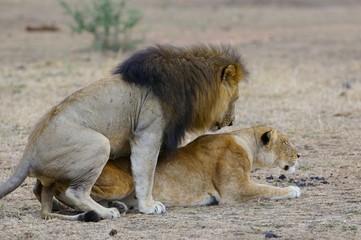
122, 207
294, 191
153, 207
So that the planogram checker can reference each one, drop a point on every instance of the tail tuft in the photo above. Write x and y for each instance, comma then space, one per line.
89, 216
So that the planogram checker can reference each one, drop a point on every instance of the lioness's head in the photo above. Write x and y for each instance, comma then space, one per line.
274, 149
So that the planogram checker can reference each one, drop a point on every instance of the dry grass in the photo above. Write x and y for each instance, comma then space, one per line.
305, 67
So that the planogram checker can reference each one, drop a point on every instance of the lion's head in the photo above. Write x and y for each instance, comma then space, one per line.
197, 86
230, 93
274, 149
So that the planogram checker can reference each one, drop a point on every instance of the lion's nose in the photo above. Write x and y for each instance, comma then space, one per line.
298, 155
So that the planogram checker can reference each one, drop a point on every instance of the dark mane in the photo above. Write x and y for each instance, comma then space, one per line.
179, 77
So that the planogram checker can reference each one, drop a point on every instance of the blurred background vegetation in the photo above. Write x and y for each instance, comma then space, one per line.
109, 21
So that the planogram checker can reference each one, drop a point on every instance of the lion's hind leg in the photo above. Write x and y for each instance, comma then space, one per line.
85, 170
57, 205
79, 165
46, 199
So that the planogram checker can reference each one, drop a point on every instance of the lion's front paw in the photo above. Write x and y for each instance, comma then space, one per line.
113, 213
294, 191
153, 207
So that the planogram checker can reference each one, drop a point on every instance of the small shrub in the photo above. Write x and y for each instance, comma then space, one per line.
108, 21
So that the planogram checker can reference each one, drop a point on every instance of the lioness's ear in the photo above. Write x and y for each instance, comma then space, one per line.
229, 74
269, 137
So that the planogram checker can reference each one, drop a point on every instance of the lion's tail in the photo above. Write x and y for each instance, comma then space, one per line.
20, 174
90, 216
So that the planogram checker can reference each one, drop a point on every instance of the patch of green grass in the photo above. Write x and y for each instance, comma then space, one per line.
287, 184
2, 135
350, 228
353, 212
308, 147
266, 205
305, 168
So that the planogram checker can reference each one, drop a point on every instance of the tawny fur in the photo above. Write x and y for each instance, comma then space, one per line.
131, 113
211, 169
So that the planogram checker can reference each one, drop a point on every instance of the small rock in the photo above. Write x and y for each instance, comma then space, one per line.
291, 180
269, 178
301, 184
271, 235
282, 177
20, 67
113, 232
346, 85
342, 114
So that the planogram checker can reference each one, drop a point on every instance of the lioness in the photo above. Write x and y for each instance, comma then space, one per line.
212, 169
149, 102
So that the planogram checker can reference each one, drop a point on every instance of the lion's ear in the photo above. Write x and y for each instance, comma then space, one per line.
229, 74
269, 137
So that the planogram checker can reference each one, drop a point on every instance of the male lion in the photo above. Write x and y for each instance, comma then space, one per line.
150, 101
212, 169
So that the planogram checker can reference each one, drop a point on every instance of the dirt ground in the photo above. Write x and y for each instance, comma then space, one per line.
304, 59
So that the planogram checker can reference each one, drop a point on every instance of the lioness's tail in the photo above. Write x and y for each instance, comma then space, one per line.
21, 172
